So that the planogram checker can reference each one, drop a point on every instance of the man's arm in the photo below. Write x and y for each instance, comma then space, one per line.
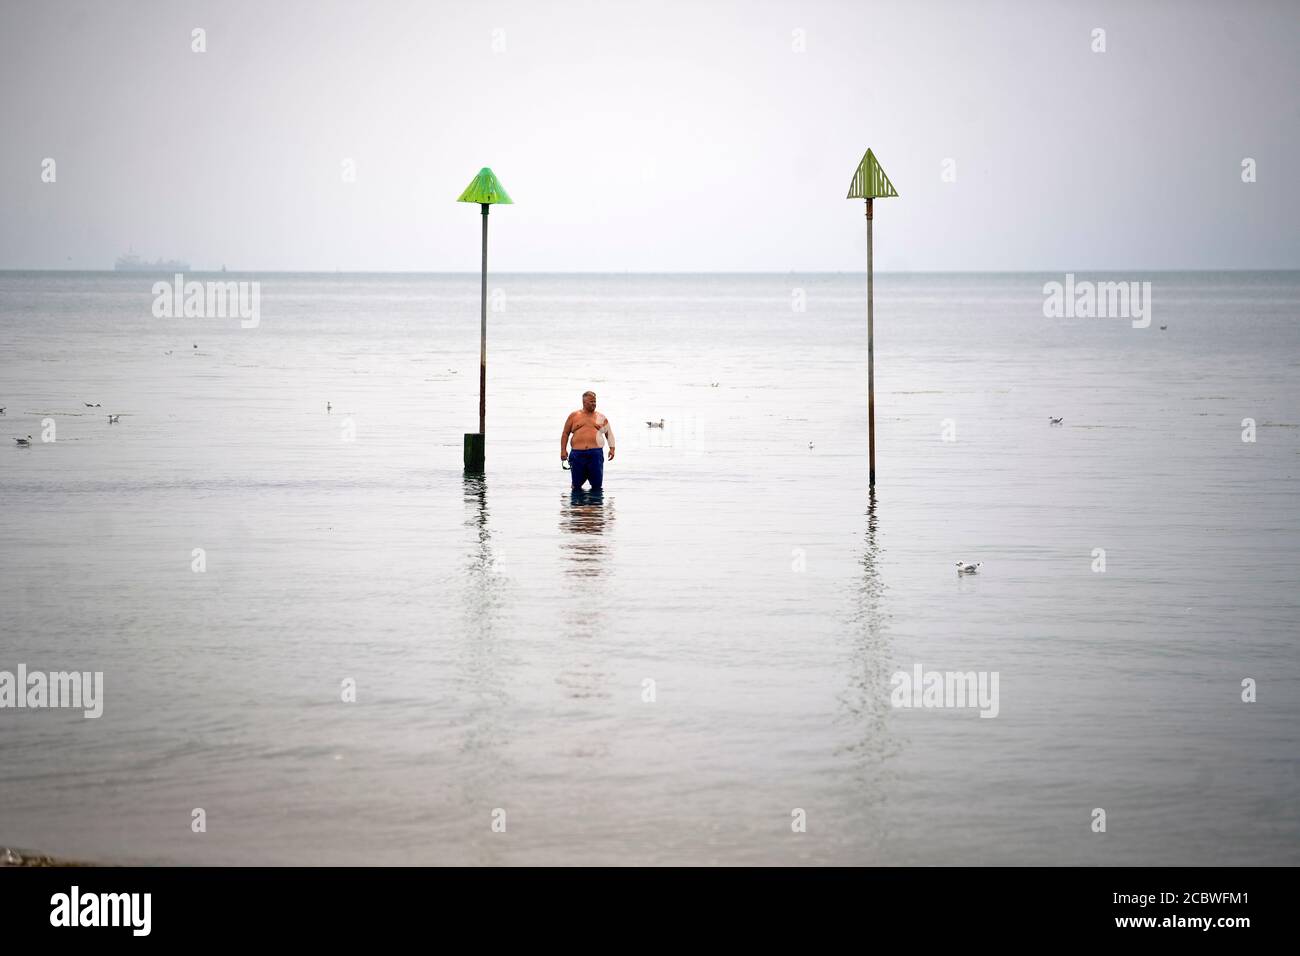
609, 435
564, 437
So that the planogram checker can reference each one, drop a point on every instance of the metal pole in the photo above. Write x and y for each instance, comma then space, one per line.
871, 364
482, 344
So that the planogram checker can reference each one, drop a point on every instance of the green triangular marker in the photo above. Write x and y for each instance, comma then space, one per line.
485, 189
870, 181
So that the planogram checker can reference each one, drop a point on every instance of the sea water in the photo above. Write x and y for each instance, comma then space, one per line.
317, 631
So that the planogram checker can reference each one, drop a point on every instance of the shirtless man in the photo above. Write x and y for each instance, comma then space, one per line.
589, 430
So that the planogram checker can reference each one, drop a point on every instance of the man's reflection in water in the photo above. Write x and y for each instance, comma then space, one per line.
581, 657
584, 518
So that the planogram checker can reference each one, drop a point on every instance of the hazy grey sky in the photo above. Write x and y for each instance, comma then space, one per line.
650, 135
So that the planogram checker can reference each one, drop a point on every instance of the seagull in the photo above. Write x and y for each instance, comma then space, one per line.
810, 446
196, 344
1055, 421
2, 411
88, 405
713, 385
658, 424
1163, 327
112, 419
328, 408
963, 568
168, 352
24, 442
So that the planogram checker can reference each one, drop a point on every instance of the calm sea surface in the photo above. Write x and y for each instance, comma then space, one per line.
503, 638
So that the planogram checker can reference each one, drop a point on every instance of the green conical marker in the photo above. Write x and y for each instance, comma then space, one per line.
487, 191
870, 182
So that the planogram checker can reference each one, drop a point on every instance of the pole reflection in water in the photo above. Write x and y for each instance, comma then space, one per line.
483, 575
872, 737
482, 685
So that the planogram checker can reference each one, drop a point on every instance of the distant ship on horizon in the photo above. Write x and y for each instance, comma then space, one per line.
133, 263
